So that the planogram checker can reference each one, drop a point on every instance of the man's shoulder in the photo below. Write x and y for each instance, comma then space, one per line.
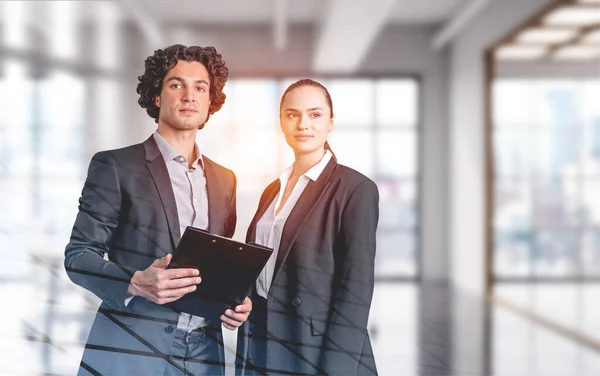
219, 169
130, 153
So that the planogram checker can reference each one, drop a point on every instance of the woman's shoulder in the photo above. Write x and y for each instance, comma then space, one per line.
351, 179
274, 185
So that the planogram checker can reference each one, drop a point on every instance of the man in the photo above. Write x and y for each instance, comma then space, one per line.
135, 204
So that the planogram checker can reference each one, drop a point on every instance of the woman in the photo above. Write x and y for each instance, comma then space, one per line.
312, 300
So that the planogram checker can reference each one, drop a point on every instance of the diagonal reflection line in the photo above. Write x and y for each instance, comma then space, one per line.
52, 270
318, 347
287, 344
316, 268
93, 274
433, 355
307, 318
245, 361
88, 368
351, 354
107, 312
284, 343
325, 301
110, 315
41, 337
209, 331
444, 339
147, 344
270, 336
150, 354
125, 351
305, 289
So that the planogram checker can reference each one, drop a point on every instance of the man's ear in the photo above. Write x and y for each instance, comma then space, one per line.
157, 101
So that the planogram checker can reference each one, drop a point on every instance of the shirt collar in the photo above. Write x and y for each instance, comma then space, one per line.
314, 173
170, 154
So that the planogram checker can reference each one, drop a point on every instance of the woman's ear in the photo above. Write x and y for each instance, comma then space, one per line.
157, 101
331, 121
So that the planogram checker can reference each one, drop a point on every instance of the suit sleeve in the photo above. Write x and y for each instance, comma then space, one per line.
232, 215
95, 224
354, 279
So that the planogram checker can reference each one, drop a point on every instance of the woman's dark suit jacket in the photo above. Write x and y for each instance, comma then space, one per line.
318, 303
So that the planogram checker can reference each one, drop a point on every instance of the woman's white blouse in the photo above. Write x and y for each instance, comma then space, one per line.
270, 226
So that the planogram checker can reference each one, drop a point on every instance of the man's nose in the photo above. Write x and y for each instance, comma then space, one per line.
189, 95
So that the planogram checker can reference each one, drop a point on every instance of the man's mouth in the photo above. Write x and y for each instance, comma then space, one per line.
188, 110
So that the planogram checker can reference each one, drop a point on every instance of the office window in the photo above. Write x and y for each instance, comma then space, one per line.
41, 156
375, 132
44, 155
546, 179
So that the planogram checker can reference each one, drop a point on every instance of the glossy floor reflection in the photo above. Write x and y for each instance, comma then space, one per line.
416, 330
574, 306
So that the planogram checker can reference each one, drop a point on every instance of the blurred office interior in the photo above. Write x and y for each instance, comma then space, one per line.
479, 120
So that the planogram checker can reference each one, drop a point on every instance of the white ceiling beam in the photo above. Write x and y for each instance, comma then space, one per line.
147, 25
347, 33
280, 24
457, 23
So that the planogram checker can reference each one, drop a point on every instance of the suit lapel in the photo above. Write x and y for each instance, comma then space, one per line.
270, 194
213, 190
160, 175
301, 211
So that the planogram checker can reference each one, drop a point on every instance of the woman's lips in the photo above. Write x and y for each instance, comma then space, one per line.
303, 137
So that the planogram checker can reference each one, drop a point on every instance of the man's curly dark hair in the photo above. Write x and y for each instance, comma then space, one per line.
157, 66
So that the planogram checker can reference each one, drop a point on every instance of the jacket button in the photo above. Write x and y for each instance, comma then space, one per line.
169, 329
296, 302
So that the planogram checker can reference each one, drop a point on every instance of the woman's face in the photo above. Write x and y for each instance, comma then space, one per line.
306, 119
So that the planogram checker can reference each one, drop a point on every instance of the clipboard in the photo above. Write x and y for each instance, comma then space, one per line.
228, 269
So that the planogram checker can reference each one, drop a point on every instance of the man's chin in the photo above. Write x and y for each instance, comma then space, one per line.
188, 126
192, 123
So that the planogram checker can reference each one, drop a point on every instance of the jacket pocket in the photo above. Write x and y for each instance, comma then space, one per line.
318, 323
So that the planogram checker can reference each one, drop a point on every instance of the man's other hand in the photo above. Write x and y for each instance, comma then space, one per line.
160, 285
233, 319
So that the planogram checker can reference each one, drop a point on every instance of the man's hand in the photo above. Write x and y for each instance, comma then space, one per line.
160, 285
233, 319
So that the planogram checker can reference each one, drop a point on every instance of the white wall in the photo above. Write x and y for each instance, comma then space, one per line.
248, 51
466, 226
407, 50
466, 95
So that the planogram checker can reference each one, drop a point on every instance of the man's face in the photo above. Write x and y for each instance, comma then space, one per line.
184, 98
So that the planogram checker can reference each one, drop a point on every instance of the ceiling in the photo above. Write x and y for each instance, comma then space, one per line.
566, 31
339, 23
304, 11
355, 23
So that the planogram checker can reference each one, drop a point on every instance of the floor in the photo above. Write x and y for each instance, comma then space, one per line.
417, 329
